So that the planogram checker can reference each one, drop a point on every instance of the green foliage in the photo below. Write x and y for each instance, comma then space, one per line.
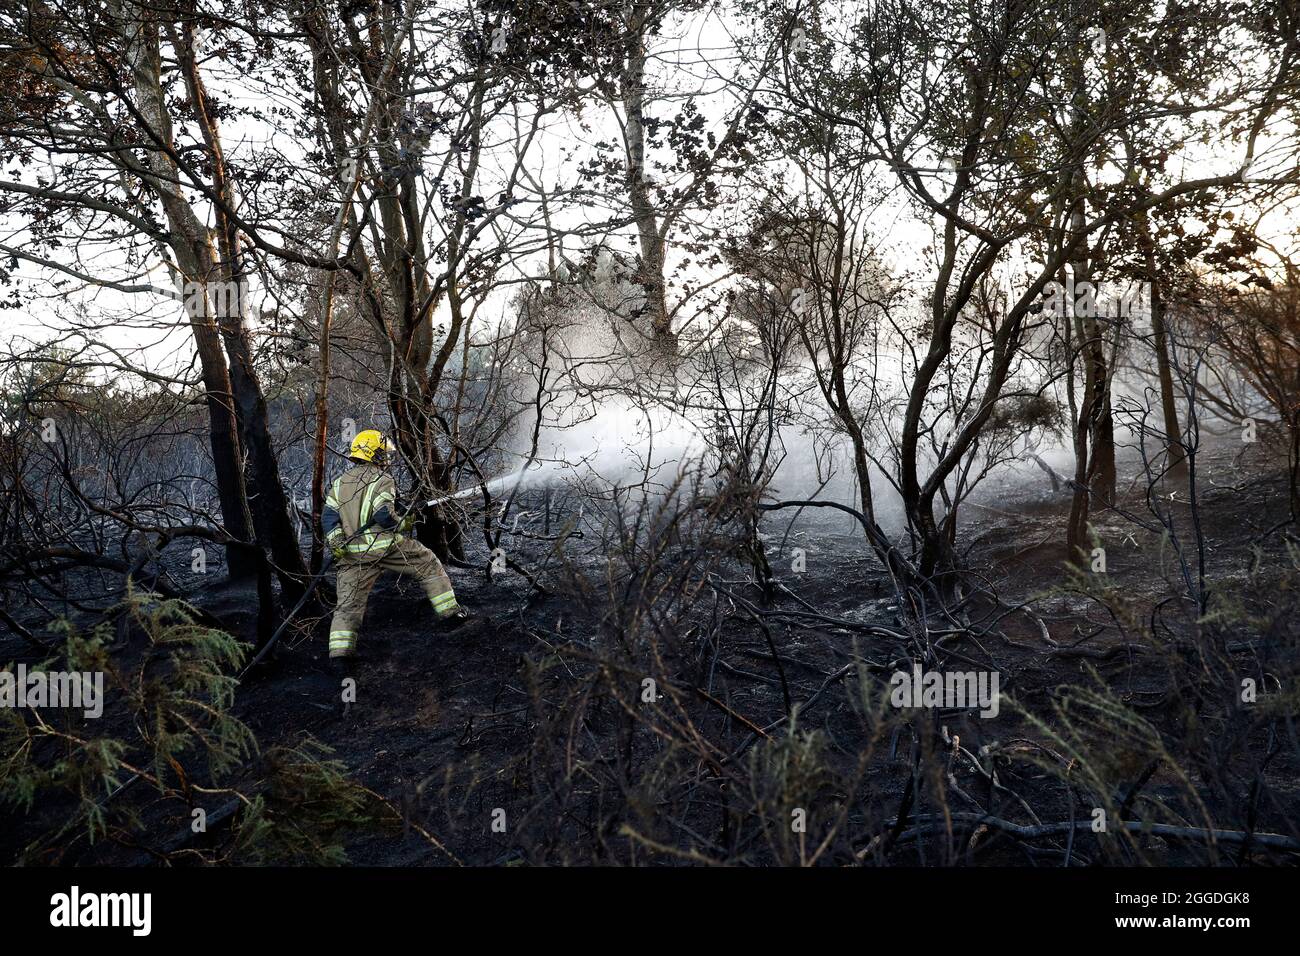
86, 770
1100, 743
789, 774
307, 804
182, 693
168, 723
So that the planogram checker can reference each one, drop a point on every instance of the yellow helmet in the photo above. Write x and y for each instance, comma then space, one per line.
368, 444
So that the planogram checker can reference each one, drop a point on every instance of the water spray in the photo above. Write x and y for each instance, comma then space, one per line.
475, 489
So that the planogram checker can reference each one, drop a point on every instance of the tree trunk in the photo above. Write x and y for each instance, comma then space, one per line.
270, 505
272, 523
192, 244
223, 437
1177, 460
223, 429
1094, 438
1175, 456
645, 215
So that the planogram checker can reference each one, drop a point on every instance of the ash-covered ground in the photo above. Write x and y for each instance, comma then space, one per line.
456, 732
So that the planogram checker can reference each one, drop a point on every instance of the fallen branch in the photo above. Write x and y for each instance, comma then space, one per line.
932, 823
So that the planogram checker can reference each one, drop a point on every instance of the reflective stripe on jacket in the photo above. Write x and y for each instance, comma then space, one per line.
359, 510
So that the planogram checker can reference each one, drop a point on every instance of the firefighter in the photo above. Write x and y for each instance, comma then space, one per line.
366, 538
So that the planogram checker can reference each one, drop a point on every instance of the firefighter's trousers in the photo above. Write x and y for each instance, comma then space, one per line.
357, 575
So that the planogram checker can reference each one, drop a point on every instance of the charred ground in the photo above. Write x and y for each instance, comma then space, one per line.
535, 718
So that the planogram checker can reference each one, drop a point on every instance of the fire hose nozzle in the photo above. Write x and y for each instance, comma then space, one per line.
452, 497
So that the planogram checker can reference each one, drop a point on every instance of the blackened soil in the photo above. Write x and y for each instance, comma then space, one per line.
443, 725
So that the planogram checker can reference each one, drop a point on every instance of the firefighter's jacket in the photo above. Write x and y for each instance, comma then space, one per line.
359, 511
